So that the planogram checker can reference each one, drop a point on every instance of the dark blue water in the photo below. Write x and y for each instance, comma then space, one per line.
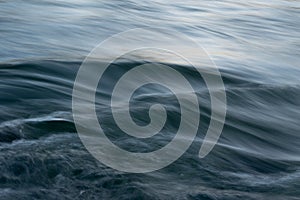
255, 44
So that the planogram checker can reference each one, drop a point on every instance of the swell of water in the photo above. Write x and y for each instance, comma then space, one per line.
255, 44
41, 154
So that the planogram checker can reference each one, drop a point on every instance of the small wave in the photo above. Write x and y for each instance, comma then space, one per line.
33, 128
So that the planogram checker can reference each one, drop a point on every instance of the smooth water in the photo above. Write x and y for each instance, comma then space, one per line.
255, 44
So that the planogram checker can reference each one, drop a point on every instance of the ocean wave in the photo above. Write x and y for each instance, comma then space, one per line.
258, 149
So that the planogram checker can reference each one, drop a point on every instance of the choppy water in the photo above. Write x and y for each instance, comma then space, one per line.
256, 46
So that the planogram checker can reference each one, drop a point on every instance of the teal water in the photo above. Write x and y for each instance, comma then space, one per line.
255, 44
